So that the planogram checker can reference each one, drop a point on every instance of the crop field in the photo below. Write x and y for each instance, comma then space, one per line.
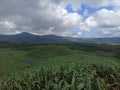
56, 67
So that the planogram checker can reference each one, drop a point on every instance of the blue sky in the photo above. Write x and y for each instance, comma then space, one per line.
90, 10
84, 7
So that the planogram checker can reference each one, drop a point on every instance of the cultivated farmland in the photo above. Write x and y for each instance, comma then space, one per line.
57, 67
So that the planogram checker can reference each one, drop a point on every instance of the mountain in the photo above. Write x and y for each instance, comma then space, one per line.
36, 39
30, 38
98, 40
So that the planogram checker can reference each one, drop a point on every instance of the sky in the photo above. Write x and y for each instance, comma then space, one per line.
73, 18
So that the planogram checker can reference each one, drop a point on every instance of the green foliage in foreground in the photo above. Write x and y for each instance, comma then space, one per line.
70, 77
90, 71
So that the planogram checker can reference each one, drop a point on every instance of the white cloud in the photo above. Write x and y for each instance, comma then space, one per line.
71, 19
50, 17
106, 32
79, 33
90, 22
7, 24
108, 21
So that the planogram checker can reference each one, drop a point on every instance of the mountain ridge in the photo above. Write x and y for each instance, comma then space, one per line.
32, 38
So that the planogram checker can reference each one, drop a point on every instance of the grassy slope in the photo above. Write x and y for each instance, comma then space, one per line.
40, 56
86, 66
7, 63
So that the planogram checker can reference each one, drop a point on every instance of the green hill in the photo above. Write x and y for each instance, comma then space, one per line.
55, 67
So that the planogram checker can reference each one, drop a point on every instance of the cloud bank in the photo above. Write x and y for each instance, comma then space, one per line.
44, 17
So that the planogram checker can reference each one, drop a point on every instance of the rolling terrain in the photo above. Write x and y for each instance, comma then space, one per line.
61, 65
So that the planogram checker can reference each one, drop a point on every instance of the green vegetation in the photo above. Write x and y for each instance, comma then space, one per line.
57, 67
99, 48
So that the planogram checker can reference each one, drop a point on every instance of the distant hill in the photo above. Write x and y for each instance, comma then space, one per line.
98, 40
30, 38
36, 39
